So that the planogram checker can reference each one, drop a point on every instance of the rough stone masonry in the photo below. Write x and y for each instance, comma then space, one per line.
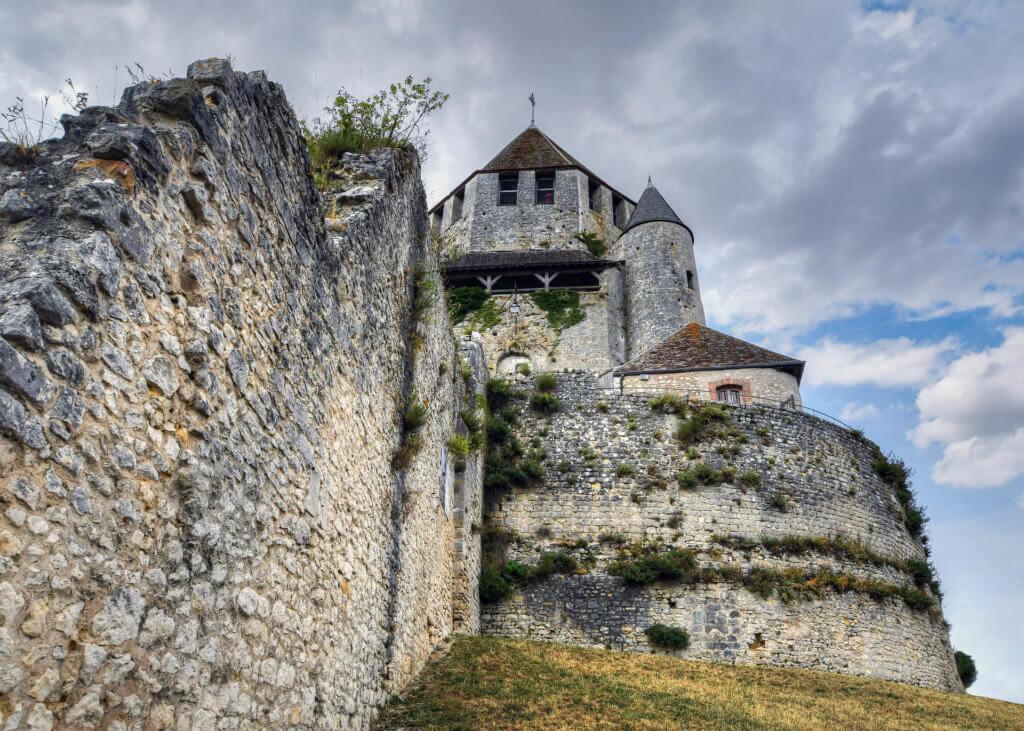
200, 400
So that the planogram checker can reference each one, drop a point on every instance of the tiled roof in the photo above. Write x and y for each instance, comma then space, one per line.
652, 207
531, 150
531, 258
697, 347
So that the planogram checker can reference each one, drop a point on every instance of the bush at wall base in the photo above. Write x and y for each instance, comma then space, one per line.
670, 638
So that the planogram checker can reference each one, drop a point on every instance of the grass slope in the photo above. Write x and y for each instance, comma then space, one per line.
486, 683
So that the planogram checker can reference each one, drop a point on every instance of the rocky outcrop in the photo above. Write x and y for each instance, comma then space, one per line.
200, 402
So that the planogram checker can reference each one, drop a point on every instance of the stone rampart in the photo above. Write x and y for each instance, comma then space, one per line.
611, 480
201, 397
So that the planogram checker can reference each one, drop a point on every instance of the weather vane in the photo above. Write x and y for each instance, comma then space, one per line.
533, 107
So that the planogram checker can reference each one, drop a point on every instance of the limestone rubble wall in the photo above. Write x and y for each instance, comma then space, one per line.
587, 506
200, 401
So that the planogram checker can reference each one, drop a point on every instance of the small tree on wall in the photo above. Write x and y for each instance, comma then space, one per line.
393, 117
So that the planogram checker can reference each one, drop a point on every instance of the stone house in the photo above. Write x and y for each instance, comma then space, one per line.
579, 276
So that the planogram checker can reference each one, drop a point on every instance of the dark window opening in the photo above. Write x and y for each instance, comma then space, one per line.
730, 394
592, 193
457, 205
689, 279
546, 186
616, 213
508, 186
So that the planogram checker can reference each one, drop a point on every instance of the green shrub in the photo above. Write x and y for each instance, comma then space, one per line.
894, 471
595, 245
965, 668
647, 565
562, 307
546, 382
393, 117
779, 502
414, 414
920, 571
545, 403
611, 538
688, 480
564, 466
689, 430
602, 407
750, 479
625, 470
493, 587
673, 638
497, 430
459, 446
532, 468
553, 562
706, 474
510, 415
728, 473
498, 393
669, 403
463, 301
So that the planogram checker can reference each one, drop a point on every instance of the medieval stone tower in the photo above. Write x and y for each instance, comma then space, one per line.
661, 284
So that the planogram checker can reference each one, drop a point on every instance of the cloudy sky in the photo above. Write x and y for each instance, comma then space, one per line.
852, 172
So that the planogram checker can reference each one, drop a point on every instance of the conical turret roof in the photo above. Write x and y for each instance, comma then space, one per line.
652, 207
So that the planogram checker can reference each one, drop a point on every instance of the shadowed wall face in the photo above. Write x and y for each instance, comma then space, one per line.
199, 407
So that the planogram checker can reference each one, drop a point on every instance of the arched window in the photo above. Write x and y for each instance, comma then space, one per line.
730, 394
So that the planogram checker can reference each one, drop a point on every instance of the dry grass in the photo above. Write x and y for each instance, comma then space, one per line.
490, 683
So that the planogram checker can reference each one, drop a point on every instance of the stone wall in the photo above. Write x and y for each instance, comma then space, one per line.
597, 343
200, 400
658, 256
822, 474
759, 385
526, 225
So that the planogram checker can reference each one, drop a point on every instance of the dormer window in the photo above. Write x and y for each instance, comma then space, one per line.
508, 187
730, 394
546, 186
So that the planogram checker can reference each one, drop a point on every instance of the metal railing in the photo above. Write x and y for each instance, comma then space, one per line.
745, 400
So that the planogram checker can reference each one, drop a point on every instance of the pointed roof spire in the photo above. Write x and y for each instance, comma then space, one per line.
652, 207
531, 150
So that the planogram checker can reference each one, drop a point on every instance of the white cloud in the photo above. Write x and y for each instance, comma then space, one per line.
894, 362
1020, 501
854, 411
976, 411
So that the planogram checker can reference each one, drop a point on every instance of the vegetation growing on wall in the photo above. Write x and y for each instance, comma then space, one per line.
485, 318
965, 668
393, 117
562, 307
894, 472
414, 418
500, 580
594, 243
646, 563
463, 301
922, 573
671, 638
